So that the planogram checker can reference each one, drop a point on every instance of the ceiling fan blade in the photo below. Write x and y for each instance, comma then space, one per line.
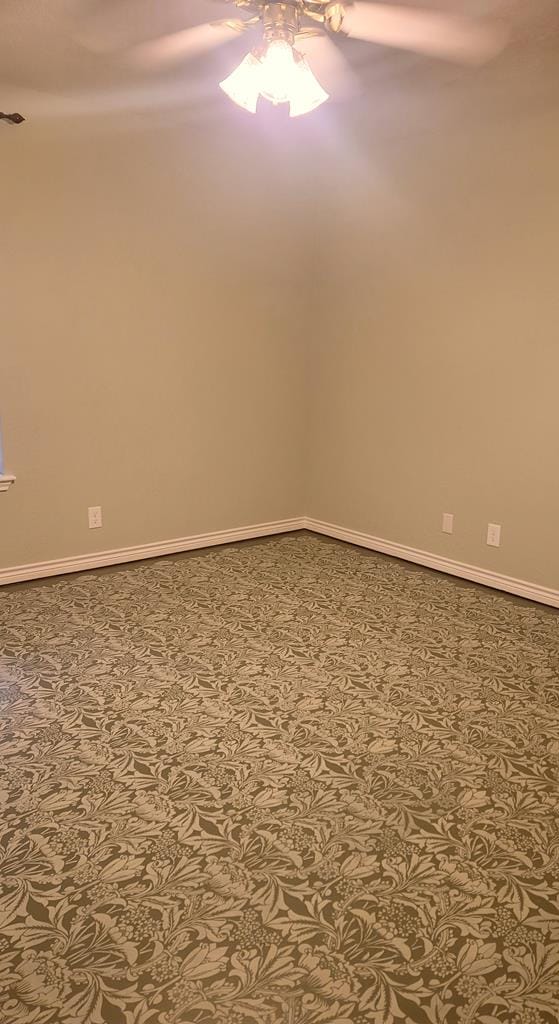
189, 43
433, 33
113, 25
181, 101
329, 64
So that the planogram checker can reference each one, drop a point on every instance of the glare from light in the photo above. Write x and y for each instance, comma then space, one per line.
280, 75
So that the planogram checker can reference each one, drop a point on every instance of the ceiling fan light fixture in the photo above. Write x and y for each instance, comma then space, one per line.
281, 75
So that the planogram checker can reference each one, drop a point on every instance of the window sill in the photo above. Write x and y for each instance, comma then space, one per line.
6, 482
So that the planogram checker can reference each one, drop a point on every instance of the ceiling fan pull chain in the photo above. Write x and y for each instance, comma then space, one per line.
12, 118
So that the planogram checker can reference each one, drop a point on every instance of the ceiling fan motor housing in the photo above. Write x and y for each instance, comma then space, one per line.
281, 21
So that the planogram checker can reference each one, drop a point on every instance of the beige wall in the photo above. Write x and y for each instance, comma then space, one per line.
436, 369
216, 328
150, 358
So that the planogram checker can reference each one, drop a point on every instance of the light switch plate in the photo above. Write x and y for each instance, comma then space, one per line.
494, 535
448, 522
95, 517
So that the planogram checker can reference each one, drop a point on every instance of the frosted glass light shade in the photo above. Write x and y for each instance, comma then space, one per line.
307, 93
243, 85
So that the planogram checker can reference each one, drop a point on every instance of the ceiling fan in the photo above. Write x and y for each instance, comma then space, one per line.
295, 46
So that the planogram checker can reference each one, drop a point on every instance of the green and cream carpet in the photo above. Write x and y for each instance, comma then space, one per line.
286, 782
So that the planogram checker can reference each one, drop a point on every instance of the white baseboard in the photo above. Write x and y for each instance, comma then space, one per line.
99, 559
521, 588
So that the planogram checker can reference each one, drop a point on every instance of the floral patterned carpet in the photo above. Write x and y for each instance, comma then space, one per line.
287, 781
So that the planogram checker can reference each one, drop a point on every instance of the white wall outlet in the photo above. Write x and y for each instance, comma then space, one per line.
448, 522
95, 517
494, 535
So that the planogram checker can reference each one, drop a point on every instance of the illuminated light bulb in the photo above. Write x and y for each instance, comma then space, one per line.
280, 75
243, 85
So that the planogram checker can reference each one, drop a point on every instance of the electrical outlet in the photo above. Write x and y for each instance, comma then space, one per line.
494, 535
448, 522
95, 517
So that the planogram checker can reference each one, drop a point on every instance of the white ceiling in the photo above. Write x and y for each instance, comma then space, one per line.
51, 64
